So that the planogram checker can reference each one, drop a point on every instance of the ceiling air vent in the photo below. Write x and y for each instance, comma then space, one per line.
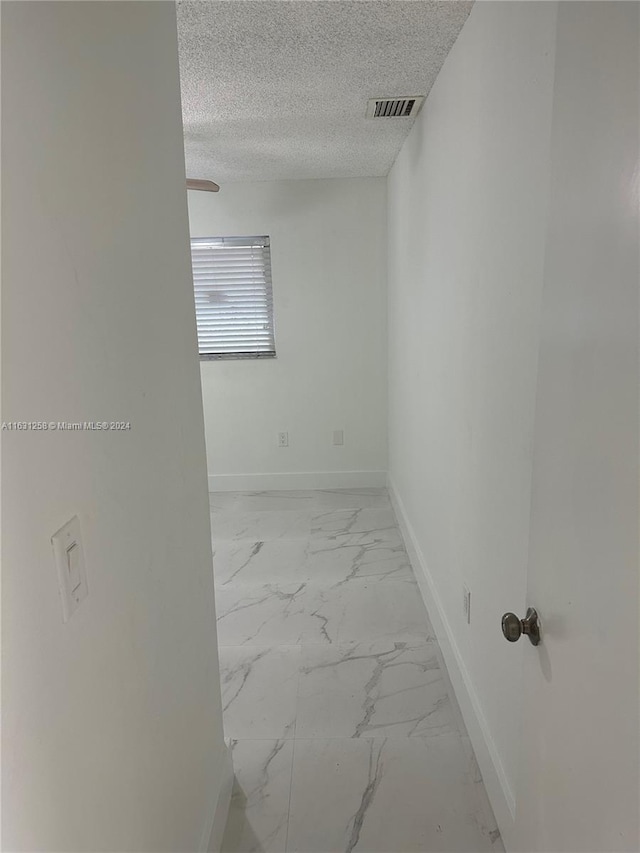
394, 107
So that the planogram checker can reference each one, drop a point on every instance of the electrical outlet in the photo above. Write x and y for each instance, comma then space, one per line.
466, 604
338, 437
283, 439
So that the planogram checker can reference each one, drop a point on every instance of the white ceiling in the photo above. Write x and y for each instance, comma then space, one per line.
277, 89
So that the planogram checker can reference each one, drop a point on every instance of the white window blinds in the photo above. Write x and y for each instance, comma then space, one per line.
234, 302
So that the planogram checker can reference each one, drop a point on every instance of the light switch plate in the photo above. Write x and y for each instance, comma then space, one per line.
72, 576
466, 604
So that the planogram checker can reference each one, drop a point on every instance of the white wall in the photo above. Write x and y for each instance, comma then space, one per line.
467, 206
112, 735
328, 253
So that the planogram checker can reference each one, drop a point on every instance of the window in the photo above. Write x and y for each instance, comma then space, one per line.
234, 303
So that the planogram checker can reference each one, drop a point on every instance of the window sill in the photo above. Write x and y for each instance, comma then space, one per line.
236, 356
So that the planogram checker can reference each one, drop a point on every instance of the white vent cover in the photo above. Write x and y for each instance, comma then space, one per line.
408, 107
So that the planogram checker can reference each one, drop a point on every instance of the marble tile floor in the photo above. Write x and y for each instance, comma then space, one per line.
344, 731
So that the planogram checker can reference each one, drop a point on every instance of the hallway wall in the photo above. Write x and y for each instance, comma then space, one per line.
467, 205
112, 722
328, 255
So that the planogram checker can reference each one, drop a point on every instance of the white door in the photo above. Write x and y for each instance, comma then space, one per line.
578, 785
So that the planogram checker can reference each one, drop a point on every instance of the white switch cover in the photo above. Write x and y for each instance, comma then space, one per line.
466, 604
69, 557
338, 437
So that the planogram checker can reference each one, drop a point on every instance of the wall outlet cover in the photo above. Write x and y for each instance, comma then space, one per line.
283, 439
338, 437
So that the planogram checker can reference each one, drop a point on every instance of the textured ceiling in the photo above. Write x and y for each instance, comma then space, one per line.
277, 89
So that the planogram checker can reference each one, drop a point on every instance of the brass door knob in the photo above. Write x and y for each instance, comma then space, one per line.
513, 628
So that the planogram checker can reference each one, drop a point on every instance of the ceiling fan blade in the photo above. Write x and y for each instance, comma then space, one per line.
205, 186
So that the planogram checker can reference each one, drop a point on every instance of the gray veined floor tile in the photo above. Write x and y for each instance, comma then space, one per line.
348, 544
261, 615
332, 522
224, 501
260, 526
379, 689
331, 678
271, 561
297, 500
278, 500
259, 690
269, 615
388, 796
260, 801
320, 560
352, 498
288, 615
358, 555
361, 610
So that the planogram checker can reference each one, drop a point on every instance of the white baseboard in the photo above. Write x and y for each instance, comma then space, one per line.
496, 783
214, 831
297, 480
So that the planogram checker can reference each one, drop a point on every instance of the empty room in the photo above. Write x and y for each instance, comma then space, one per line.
320, 426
